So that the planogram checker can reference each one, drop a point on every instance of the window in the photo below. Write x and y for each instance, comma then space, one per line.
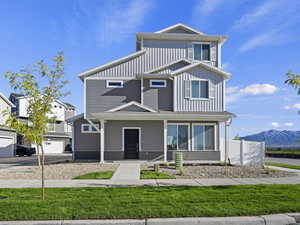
202, 52
114, 83
178, 137
158, 83
203, 137
51, 127
88, 128
199, 88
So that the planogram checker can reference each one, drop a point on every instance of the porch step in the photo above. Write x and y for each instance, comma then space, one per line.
127, 171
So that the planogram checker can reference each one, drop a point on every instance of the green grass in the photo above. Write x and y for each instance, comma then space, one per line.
96, 175
148, 174
289, 166
148, 202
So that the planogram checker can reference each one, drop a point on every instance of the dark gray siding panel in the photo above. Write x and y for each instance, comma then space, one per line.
89, 142
158, 98
133, 108
151, 135
100, 99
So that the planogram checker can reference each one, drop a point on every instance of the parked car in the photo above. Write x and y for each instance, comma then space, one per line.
25, 150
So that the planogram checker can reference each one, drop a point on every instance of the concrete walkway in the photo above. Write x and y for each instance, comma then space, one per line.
127, 171
152, 182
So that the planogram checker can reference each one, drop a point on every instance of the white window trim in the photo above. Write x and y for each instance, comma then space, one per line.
189, 136
215, 136
202, 43
123, 136
109, 86
158, 86
208, 87
90, 128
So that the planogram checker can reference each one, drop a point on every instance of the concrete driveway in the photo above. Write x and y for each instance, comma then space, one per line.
32, 160
283, 160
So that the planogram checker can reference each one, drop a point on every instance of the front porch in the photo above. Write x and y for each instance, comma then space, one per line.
150, 138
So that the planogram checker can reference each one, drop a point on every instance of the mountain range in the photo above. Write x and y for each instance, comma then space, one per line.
276, 138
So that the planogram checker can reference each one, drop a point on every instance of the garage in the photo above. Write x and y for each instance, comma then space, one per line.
6, 147
53, 146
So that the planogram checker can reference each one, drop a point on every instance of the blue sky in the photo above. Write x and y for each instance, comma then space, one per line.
264, 43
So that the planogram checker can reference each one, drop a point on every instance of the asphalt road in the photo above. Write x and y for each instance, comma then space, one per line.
283, 160
32, 160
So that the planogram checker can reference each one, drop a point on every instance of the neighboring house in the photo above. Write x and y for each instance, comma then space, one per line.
168, 96
59, 133
8, 136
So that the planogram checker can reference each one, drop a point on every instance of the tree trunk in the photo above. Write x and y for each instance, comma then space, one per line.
43, 177
38, 155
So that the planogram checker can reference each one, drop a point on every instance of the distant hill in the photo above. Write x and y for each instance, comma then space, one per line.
276, 138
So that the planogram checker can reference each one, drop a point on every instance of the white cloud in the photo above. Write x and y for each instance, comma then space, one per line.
206, 7
275, 124
235, 93
295, 106
288, 124
258, 40
231, 90
120, 21
258, 89
258, 13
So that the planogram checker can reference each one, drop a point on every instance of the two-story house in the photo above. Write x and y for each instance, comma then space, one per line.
168, 96
8, 136
59, 133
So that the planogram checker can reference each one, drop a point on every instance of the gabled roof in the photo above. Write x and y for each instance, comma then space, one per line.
68, 105
110, 64
132, 103
72, 119
179, 26
168, 65
6, 100
205, 66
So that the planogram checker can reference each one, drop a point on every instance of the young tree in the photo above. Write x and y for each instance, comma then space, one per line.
40, 98
293, 80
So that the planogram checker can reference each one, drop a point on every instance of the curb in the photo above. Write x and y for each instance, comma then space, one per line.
275, 219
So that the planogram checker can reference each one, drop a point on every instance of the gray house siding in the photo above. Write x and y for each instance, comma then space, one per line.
86, 145
213, 104
159, 53
100, 99
158, 98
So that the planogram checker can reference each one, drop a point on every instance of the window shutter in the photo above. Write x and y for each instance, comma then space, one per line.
187, 88
212, 89
190, 51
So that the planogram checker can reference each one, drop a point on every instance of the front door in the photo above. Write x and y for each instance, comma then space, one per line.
131, 143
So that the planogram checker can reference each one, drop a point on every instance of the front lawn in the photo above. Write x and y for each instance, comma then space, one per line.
96, 175
148, 202
149, 174
289, 166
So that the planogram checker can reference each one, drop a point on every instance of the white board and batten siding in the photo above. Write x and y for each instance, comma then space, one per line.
6, 147
244, 153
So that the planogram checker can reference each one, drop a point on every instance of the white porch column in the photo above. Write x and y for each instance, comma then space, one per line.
165, 140
142, 90
102, 141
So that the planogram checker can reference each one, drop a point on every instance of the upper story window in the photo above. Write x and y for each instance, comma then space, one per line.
201, 52
114, 83
88, 128
158, 83
199, 89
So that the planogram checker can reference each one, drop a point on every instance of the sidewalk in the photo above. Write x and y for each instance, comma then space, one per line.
154, 182
275, 219
127, 171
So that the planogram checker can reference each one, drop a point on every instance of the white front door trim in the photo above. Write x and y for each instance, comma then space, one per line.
123, 136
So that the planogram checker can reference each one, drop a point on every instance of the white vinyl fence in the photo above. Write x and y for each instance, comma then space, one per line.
245, 153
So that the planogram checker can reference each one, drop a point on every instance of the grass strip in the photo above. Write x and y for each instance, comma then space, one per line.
96, 175
148, 202
148, 174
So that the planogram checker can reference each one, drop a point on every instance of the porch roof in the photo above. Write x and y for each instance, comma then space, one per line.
165, 115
